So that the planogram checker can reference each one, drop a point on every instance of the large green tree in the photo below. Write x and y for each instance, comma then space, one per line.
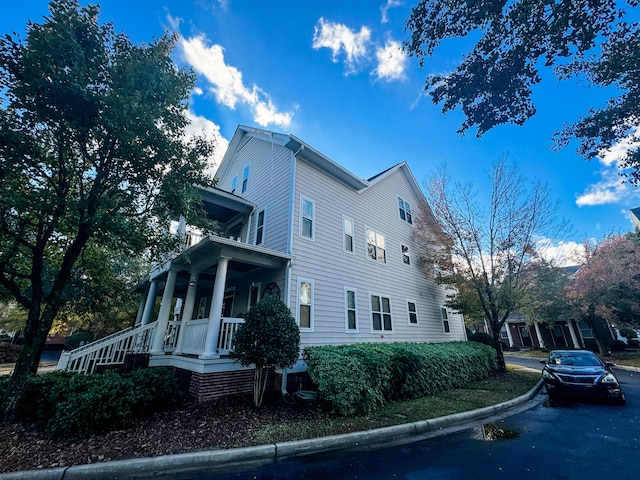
597, 41
92, 152
488, 249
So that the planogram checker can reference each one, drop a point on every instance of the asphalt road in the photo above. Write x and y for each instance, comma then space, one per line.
570, 440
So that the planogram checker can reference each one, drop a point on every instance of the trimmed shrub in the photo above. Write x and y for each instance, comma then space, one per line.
481, 337
357, 379
615, 345
73, 406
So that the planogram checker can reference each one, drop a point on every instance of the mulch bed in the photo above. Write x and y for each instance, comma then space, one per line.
192, 426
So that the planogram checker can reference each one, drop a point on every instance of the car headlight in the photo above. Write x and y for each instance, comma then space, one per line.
548, 375
610, 379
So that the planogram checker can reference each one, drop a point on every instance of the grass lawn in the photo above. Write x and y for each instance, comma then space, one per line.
475, 395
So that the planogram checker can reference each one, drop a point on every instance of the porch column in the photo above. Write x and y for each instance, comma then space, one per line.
509, 336
143, 301
163, 315
215, 314
187, 311
539, 334
574, 338
150, 303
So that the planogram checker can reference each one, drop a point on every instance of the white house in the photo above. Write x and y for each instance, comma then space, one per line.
337, 249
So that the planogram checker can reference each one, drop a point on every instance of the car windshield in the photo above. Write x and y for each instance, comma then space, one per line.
582, 359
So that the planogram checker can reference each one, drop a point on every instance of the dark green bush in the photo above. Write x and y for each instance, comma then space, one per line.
72, 406
615, 345
77, 338
357, 379
481, 337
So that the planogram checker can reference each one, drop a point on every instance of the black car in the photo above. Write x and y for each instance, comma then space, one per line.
580, 373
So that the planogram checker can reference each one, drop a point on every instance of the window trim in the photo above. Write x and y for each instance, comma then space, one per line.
245, 178
259, 227
404, 210
234, 185
311, 305
403, 255
345, 233
382, 331
252, 285
304, 199
446, 323
415, 312
346, 310
366, 240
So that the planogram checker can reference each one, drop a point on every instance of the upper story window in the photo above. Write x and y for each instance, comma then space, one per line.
405, 211
307, 213
234, 185
381, 313
376, 246
406, 257
245, 179
445, 320
347, 234
260, 228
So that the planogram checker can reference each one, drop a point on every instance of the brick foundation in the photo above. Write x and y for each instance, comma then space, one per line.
211, 386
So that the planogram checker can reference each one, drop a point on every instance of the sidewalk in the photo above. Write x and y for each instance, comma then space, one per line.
168, 466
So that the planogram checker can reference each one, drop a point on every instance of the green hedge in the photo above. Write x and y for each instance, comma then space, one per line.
73, 406
357, 379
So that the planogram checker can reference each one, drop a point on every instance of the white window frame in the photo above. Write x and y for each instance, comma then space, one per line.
245, 178
384, 248
302, 217
403, 254
415, 312
347, 309
311, 305
234, 185
259, 228
404, 210
446, 322
381, 311
351, 234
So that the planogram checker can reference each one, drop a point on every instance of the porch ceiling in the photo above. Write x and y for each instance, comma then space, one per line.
224, 206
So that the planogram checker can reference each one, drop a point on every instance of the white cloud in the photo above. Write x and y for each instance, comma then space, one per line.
392, 61
227, 84
619, 150
338, 37
202, 126
385, 9
562, 254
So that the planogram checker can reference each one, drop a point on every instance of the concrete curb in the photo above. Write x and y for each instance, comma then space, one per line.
211, 460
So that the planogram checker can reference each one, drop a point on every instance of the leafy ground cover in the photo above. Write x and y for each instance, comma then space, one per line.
237, 422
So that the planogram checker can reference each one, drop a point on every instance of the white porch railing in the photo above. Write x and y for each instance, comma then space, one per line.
195, 333
110, 350
171, 336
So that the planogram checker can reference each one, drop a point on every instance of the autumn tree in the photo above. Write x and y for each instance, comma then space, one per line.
607, 286
92, 155
597, 41
487, 248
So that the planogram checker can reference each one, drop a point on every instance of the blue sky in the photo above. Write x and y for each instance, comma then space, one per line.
332, 74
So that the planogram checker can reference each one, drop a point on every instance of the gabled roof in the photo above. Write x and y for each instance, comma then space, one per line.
306, 152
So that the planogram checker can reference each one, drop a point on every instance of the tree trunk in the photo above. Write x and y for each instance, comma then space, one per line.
502, 366
260, 376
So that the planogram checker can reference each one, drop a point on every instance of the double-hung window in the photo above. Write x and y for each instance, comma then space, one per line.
406, 257
381, 314
245, 179
405, 211
234, 184
260, 228
445, 320
376, 247
351, 316
413, 312
305, 304
347, 234
307, 213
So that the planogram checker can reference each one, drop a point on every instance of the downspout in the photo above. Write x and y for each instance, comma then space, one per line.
287, 280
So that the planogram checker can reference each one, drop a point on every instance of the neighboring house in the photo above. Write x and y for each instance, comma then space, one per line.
336, 248
634, 214
566, 332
